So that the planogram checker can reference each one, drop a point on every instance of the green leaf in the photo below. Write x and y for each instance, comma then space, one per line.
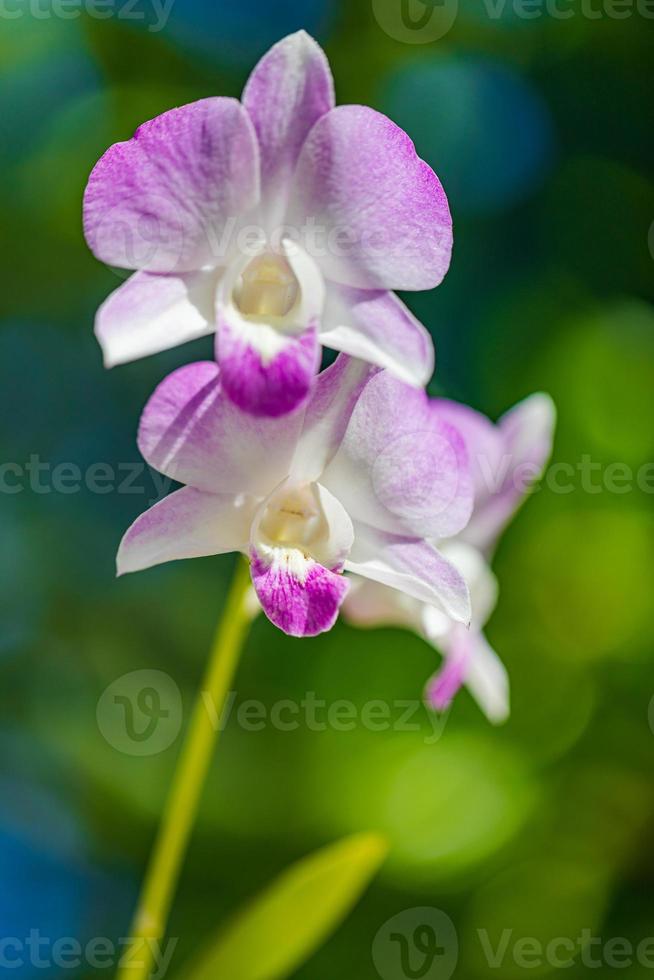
287, 922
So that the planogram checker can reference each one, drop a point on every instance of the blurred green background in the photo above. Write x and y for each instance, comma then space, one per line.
538, 128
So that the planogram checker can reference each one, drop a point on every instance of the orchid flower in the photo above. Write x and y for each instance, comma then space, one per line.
352, 482
504, 459
281, 223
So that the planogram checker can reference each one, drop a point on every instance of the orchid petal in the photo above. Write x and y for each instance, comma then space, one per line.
169, 198
192, 433
378, 327
526, 432
327, 415
288, 91
186, 524
385, 214
447, 682
150, 313
487, 680
474, 568
484, 444
470, 660
399, 467
412, 566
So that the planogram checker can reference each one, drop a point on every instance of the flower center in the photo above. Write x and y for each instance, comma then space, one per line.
294, 519
267, 288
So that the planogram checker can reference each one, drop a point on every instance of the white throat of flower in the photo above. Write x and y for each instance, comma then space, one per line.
291, 528
267, 289
271, 296
301, 523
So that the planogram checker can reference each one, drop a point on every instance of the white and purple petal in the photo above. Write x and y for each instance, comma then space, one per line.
170, 198
191, 432
186, 524
470, 661
399, 467
474, 568
489, 465
151, 313
327, 415
377, 327
288, 91
443, 687
487, 680
412, 566
525, 434
382, 209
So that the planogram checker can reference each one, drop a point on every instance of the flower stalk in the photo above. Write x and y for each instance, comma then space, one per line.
159, 886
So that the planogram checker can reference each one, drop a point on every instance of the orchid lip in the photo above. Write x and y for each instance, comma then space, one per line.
300, 538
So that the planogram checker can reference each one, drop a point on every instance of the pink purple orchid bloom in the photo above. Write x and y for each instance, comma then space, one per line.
353, 482
504, 459
281, 223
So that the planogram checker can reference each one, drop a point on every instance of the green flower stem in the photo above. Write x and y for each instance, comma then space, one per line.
150, 920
